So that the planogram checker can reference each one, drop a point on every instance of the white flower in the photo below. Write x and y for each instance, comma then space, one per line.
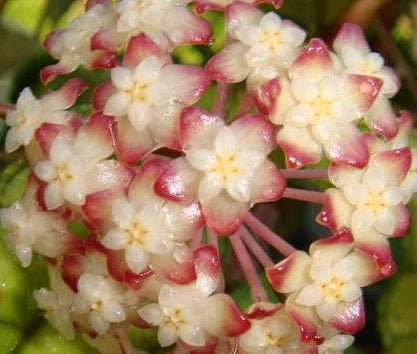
227, 166
139, 233
100, 297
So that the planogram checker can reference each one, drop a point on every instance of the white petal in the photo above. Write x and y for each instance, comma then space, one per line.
148, 70
136, 259
45, 170
326, 310
310, 295
385, 221
139, 114
152, 314
350, 292
201, 159
225, 142
115, 239
167, 335
210, 186
53, 196
98, 323
122, 78
191, 334
117, 104
112, 311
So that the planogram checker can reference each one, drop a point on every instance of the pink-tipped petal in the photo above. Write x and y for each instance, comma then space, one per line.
103, 60
207, 265
402, 220
229, 64
314, 61
97, 209
46, 134
109, 174
336, 246
222, 317
184, 27
176, 266
261, 310
382, 119
256, 131
336, 211
405, 126
299, 146
239, 14
108, 40
197, 127
351, 36
378, 250
267, 184
139, 48
290, 274
346, 146
361, 90
224, 214
66, 96
175, 181
51, 72
101, 94
184, 84
72, 268
393, 164
350, 317
267, 94
305, 318
51, 41
132, 145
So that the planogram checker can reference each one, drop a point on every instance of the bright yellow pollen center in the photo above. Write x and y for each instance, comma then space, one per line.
332, 290
225, 167
139, 92
375, 202
63, 173
174, 317
137, 233
322, 107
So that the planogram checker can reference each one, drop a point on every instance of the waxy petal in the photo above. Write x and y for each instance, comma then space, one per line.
229, 64
299, 146
350, 317
183, 27
351, 35
178, 181
198, 128
138, 49
314, 61
336, 210
240, 14
381, 118
224, 214
222, 316
207, 265
290, 274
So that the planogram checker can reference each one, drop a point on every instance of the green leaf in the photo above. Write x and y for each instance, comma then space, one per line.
397, 310
48, 340
144, 338
10, 338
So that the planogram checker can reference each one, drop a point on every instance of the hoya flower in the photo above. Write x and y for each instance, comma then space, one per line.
30, 113
351, 46
147, 96
371, 197
325, 285
192, 313
28, 229
147, 229
225, 167
100, 297
265, 45
72, 46
272, 330
319, 110
77, 165
56, 302
168, 23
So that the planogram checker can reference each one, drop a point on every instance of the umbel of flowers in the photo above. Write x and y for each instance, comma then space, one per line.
156, 179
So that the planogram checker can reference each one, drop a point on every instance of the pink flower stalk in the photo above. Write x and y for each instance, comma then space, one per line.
156, 180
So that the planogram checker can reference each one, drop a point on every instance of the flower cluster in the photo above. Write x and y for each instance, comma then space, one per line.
156, 179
